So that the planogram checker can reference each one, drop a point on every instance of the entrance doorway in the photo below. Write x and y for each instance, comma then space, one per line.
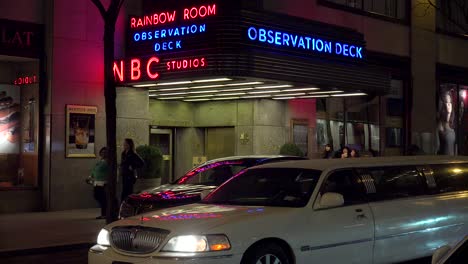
220, 142
162, 138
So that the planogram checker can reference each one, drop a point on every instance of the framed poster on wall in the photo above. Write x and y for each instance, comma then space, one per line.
80, 131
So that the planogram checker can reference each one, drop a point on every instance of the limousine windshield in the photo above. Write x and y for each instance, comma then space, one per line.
284, 187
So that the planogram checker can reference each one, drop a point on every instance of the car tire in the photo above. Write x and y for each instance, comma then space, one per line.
266, 253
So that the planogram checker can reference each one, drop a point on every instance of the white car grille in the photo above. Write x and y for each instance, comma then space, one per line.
137, 239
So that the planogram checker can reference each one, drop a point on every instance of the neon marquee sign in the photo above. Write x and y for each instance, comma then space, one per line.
169, 17
164, 18
158, 27
302, 42
147, 69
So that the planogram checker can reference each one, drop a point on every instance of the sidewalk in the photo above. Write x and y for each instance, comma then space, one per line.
48, 229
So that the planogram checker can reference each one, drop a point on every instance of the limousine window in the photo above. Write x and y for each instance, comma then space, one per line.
450, 177
346, 183
397, 182
286, 187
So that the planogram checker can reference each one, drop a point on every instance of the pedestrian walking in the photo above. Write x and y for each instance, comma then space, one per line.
98, 179
130, 162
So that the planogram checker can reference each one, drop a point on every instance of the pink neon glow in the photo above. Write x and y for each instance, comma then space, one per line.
136, 63
119, 72
207, 167
177, 217
148, 66
463, 94
166, 195
26, 80
145, 195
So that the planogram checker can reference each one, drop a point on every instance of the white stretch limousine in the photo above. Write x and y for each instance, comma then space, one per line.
369, 210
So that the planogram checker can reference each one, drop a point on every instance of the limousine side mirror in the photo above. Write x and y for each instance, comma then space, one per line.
440, 253
330, 200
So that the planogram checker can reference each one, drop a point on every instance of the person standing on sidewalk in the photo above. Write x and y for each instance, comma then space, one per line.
128, 167
99, 180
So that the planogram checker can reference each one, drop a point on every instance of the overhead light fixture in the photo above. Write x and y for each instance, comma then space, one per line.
230, 94
263, 92
170, 89
284, 98
196, 100
256, 96
348, 94
200, 96
245, 83
171, 98
144, 85
166, 94
197, 92
291, 94
274, 86
236, 89
225, 98
174, 83
314, 96
212, 80
207, 86
326, 92
300, 89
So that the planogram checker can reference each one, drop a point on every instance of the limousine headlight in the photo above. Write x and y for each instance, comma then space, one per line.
194, 244
103, 238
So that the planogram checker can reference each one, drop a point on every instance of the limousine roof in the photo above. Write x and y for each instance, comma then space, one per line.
325, 164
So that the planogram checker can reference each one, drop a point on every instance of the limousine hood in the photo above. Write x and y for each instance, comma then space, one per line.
200, 218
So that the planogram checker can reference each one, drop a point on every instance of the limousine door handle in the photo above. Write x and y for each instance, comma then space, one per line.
361, 216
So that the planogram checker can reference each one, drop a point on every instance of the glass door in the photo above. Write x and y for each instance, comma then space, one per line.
162, 138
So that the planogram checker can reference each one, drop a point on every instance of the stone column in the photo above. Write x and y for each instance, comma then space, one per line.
423, 69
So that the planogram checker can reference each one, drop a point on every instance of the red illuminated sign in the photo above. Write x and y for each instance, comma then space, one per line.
145, 69
169, 17
23, 80
175, 65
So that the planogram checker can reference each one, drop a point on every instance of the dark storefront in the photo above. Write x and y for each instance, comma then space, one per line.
21, 50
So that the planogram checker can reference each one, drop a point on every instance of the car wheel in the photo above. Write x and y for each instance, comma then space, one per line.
266, 254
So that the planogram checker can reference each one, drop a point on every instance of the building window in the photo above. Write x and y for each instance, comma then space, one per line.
452, 16
19, 114
396, 9
352, 122
452, 119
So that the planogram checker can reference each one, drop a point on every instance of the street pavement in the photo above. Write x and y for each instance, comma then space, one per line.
45, 237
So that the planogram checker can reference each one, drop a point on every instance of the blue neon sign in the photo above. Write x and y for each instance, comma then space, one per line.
169, 32
289, 40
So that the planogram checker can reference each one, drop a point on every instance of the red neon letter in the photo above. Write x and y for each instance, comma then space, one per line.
148, 66
135, 68
212, 10
119, 72
133, 23
171, 18
186, 14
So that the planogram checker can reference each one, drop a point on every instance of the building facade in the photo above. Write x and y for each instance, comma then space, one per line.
202, 80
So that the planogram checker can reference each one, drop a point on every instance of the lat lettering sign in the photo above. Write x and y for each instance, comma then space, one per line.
21, 39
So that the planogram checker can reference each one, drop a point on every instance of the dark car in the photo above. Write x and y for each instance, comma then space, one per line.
189, 188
